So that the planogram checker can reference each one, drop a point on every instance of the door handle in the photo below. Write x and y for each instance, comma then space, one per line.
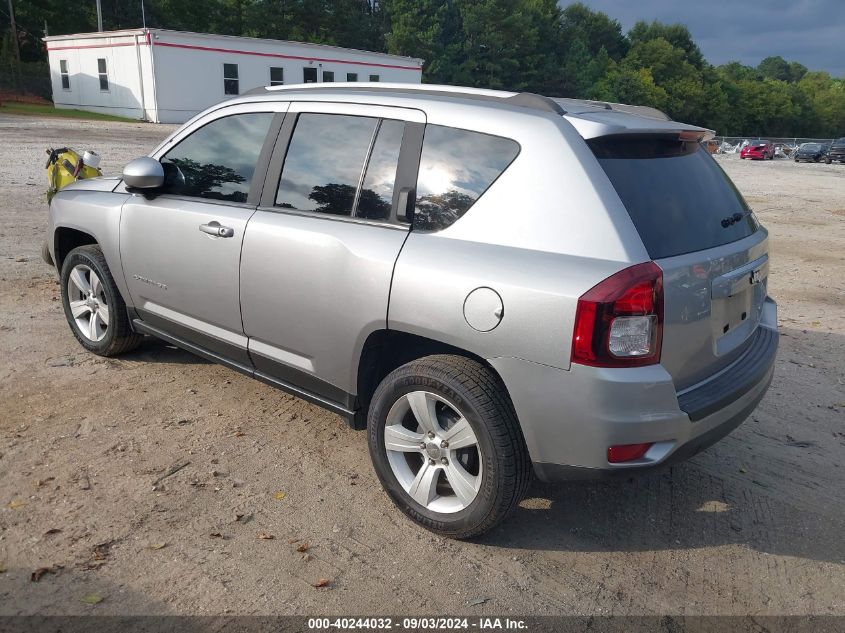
214, 228
403, 213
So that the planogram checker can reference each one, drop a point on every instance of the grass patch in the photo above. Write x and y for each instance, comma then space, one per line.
31, 109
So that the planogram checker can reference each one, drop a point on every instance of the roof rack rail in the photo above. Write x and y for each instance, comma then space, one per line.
521, 99
535, 102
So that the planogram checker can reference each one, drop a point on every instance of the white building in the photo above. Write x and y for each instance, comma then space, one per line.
168, 76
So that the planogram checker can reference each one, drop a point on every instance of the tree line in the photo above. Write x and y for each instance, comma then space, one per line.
522, 45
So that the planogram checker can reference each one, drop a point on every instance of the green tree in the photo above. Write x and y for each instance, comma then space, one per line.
677, 35
774, 68
594, 30
623, 84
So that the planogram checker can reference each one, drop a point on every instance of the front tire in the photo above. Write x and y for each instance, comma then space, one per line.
45, 253
93, 306
446, 445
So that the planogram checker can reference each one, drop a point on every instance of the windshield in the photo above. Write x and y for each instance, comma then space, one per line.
678, 197
811, 146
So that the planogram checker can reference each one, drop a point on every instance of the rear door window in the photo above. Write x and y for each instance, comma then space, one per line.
218, 160
678, 197
341, 165
324, 162
376, 198
456, 168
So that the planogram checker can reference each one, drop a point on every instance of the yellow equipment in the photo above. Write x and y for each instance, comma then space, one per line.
65, 166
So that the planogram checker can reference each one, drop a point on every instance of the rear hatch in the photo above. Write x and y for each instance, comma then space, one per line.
696, 226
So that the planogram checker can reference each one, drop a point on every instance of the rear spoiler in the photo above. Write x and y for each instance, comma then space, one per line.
594, 119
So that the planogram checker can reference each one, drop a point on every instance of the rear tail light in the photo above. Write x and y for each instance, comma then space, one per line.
619, 322
626, 452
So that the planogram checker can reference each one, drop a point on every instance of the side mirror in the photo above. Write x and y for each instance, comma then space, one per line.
143, 173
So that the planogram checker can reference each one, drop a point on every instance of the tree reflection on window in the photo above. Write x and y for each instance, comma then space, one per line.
435, 212
324, 163
456, 168
204, 180
218, 160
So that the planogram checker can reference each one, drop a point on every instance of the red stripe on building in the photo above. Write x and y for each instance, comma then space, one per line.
238, 52
73, 48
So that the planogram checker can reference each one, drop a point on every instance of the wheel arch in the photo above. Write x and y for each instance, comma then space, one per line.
385, 350
65, 239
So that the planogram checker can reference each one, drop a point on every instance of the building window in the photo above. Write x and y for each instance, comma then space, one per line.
374, 78
309, 75
351, 76
328, 75
64, 73
231, 85
102, 71
277, 76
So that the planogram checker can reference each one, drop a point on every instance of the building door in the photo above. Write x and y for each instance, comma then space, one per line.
309, 75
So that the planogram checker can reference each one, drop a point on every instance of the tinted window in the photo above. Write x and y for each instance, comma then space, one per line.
218, 160
374, 77
324, 162
676, 194
328, 75
376, 198
230, 79
64, 74
102, 73
351, 76
456, 167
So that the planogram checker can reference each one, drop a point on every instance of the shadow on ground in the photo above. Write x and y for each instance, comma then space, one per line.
708, 501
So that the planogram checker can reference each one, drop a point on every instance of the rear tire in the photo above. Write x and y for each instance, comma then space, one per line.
457, 490
95, 311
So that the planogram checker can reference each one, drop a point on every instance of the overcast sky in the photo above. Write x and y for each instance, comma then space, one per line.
808, 31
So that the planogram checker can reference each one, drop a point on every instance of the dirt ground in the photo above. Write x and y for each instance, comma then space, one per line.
754, 525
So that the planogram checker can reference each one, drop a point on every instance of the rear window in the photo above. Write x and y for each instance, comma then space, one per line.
678, 197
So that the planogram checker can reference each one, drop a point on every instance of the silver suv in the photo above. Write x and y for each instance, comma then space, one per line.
493, 284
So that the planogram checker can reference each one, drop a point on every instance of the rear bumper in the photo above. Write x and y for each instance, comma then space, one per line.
570, 418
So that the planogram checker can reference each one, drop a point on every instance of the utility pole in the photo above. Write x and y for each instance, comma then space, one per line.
14, 35
99, 16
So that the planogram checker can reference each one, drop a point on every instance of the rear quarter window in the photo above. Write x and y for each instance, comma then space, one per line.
456, 168
678, 197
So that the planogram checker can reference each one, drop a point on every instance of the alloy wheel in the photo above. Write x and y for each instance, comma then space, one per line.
433, 452
88, 304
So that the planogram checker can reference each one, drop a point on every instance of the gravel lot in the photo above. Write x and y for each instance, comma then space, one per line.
753, 525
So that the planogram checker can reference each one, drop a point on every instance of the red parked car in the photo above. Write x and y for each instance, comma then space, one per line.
763, 150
